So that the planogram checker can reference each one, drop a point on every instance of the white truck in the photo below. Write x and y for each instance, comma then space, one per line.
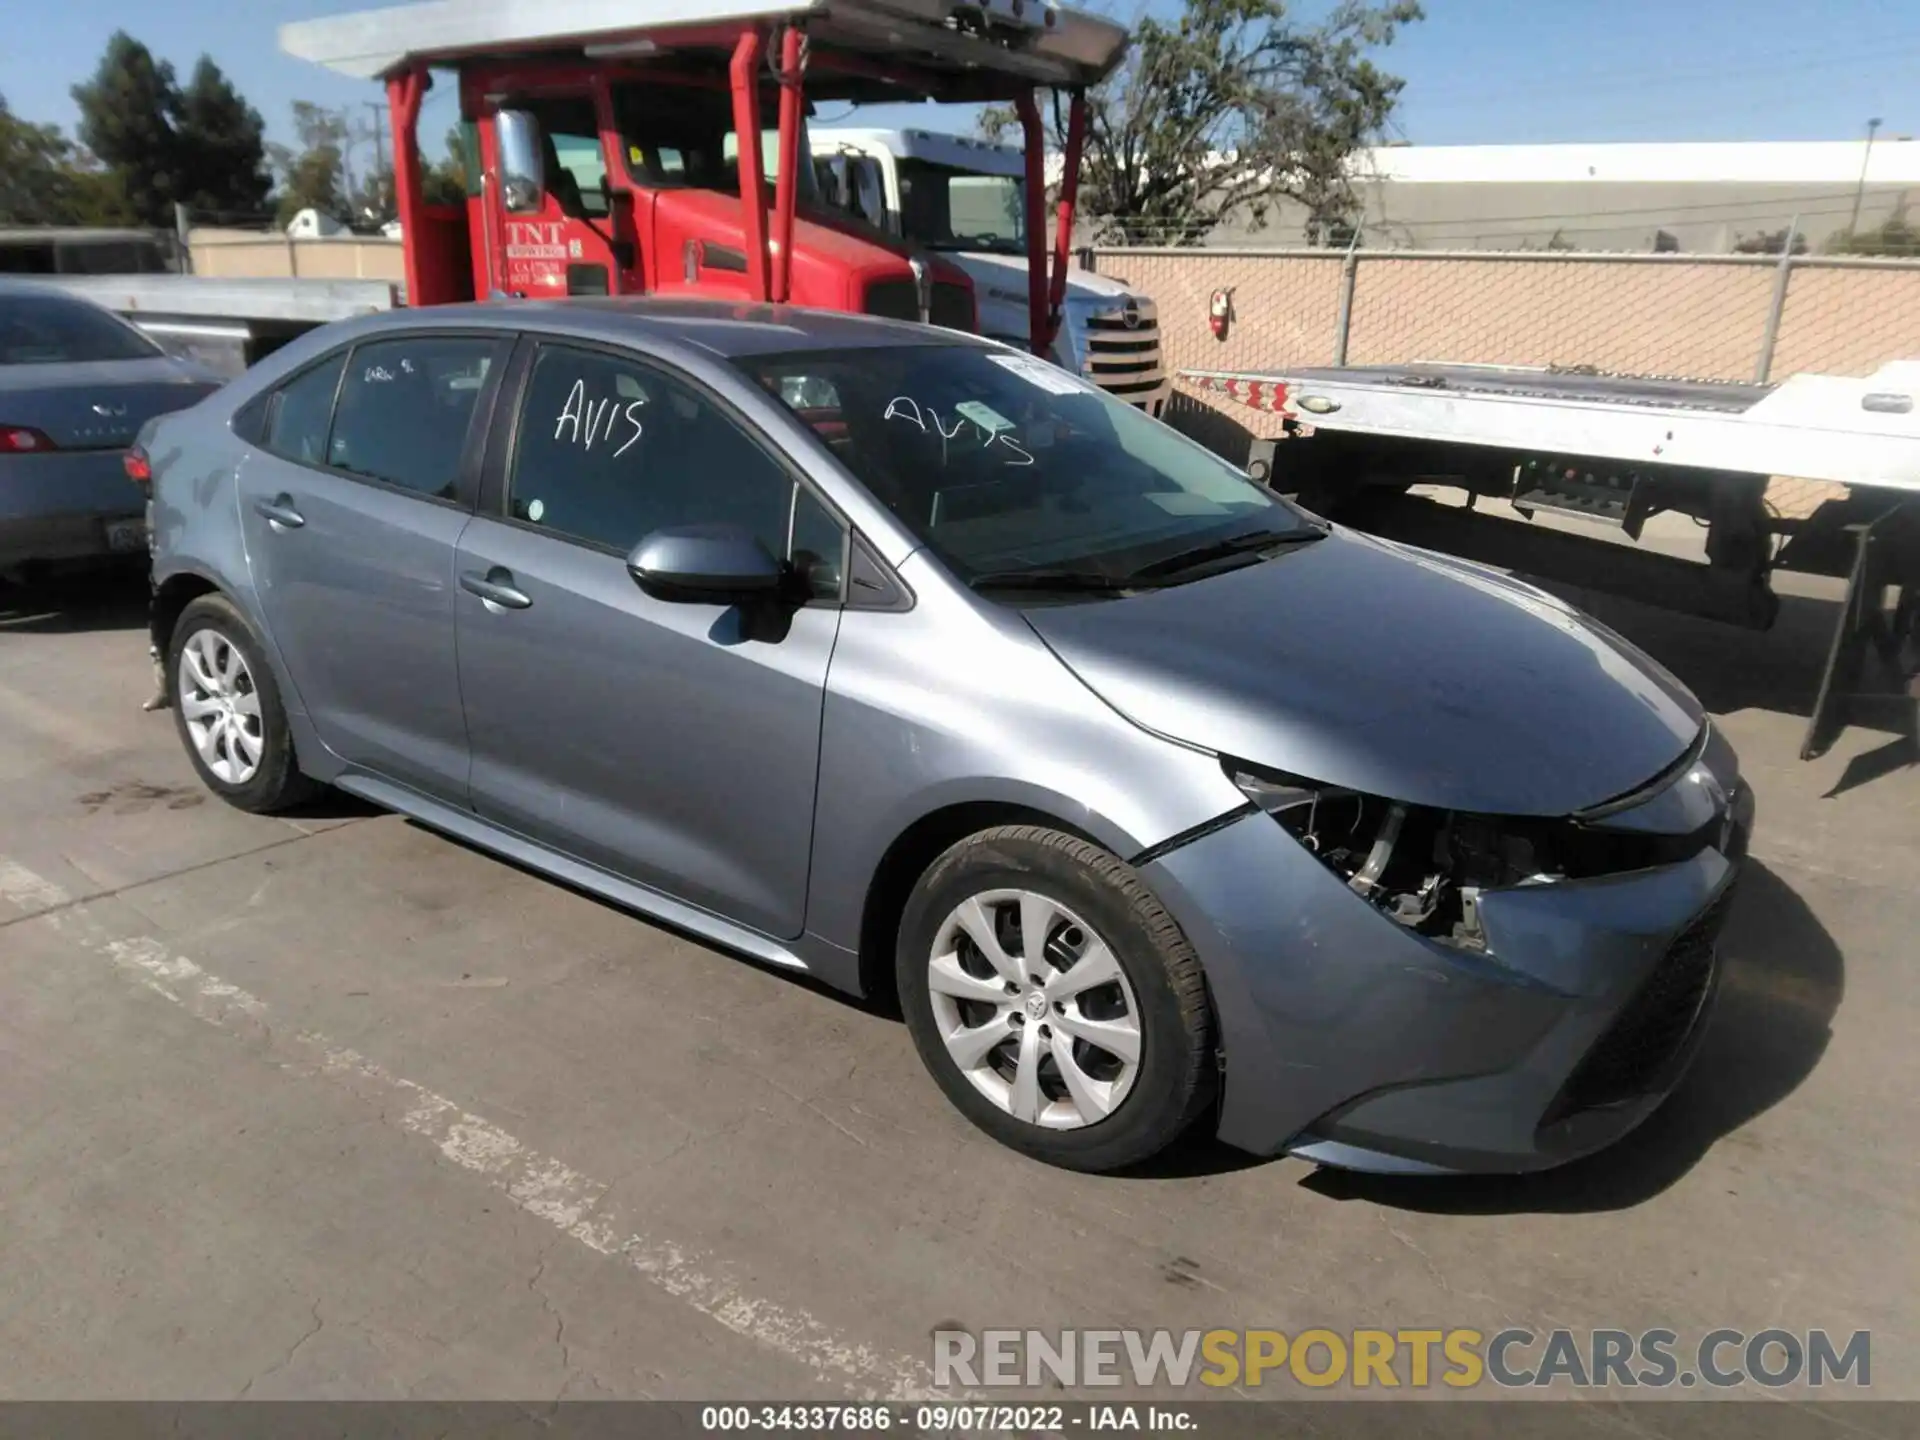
1615, 450
964, 199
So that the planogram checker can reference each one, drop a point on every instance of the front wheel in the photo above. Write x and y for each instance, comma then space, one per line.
1055, 1001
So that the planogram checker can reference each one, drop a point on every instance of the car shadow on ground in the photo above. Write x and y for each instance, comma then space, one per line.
96, 597
1730, 668
1782, 982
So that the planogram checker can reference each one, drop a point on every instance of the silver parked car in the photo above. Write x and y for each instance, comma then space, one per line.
903, 659
76, 384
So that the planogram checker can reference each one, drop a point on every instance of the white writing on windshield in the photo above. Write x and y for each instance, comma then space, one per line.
905, 407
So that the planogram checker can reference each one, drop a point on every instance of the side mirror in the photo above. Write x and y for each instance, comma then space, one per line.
523, 170
705, 565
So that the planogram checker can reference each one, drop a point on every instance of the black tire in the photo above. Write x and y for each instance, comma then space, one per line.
277, 783
1178, 1073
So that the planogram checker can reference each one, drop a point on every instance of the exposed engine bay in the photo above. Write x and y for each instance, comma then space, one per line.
1426, 869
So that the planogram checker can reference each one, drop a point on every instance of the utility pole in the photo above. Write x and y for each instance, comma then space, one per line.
382, 165
1860, 190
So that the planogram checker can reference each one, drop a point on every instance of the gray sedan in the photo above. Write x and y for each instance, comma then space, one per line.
76, 384
902, 659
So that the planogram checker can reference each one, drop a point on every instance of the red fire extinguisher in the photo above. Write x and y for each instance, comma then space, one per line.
1220, 311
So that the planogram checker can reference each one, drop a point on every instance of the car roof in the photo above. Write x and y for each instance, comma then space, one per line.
728, 329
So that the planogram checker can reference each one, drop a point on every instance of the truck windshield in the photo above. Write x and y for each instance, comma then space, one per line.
1012, 470
944, 208
677, 137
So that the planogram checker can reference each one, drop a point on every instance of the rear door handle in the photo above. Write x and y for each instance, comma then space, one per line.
496, 587
280, 512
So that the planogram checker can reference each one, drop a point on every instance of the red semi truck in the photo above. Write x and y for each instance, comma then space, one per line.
607, 135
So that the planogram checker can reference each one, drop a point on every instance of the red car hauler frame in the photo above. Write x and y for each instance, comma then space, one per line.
648, 93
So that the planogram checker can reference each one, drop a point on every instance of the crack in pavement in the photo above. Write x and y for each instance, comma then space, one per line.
286, 1359
21, 886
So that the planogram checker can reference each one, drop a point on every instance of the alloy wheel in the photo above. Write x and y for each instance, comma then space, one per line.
1035, 1009
221, 707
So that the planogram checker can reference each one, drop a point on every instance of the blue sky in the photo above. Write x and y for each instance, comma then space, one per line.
1477, 71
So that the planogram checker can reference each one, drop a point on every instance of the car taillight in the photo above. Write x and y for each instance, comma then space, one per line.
23, 440
138, 468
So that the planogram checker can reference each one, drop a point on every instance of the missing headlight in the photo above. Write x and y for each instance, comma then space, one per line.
1427, 868
1394, 856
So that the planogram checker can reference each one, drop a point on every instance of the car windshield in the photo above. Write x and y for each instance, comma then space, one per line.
948, 209
1012, 470
54, 330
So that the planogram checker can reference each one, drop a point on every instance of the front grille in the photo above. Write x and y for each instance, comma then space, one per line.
895, 299
1631, 1057
1124, 359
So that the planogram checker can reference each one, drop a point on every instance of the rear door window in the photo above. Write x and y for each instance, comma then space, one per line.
405, 408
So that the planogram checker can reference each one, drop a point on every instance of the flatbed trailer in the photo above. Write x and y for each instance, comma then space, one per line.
1617, 450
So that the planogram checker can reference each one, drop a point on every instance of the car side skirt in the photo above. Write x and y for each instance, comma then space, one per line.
651, 904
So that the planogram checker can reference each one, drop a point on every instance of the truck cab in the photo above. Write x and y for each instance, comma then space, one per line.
621, 185
964, 201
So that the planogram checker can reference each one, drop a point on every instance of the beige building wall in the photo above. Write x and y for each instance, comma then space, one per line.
246, 254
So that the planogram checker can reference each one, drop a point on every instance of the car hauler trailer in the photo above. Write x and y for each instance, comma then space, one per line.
602, 131
602, 152
1619, 449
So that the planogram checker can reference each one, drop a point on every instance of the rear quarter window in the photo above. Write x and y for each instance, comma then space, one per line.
299, 413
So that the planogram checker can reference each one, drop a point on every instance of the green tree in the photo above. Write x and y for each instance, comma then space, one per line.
314, 177
1896, 235
222, 155
1770, 242
35, 172
45, 179
445, 182
1232, 108
159, 144
126, 119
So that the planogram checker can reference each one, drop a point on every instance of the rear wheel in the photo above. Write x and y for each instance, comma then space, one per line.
1056, 1003
228, 711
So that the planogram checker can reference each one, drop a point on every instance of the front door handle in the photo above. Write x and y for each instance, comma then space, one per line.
280, 512
496, 587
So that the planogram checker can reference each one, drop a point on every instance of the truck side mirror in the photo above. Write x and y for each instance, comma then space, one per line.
523, 171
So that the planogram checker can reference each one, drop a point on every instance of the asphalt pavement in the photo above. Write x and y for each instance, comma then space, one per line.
332, 1106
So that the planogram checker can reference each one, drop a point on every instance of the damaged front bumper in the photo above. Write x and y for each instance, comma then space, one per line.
1570, 1012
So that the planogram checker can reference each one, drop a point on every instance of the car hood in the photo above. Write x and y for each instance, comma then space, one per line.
1374, 666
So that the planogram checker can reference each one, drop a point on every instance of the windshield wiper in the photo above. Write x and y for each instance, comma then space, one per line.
1090, 582
1223, 549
